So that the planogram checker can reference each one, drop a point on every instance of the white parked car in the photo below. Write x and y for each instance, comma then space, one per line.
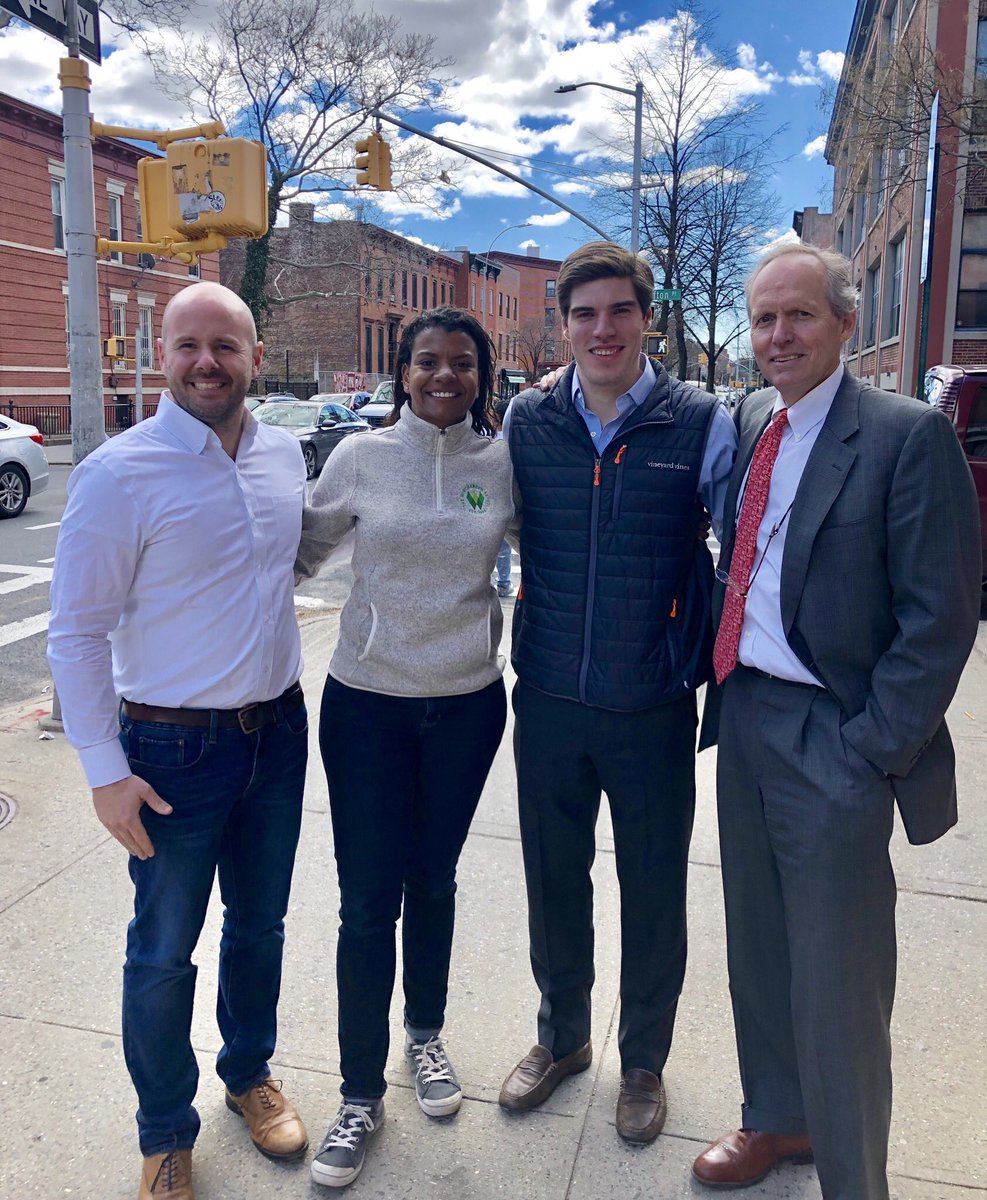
23, 465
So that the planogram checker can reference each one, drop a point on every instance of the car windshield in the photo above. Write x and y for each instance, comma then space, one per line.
287, 416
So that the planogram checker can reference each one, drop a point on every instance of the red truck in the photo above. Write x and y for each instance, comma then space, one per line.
961, 393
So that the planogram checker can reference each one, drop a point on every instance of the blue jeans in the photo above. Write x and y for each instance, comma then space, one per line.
504, 563
237, 801
405, 776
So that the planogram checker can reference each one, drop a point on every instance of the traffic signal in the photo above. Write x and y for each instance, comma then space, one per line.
655, 345
373, 163
116, 347
217, 185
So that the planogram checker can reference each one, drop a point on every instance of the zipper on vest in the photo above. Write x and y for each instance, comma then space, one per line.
438, 471
618, 462
594, 529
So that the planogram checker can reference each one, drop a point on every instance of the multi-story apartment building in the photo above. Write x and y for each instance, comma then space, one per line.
540, 344
34, 374
341, 292
900, 52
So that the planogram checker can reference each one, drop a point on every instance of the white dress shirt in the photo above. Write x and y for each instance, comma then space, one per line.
762, 636
173, 581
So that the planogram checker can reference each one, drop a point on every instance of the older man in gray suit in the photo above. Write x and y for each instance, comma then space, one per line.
849, 599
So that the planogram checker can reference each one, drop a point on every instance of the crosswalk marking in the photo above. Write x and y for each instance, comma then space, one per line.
25, 577
16, 631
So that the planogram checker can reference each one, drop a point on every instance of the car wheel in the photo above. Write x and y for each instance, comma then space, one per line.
14, 490
311, 462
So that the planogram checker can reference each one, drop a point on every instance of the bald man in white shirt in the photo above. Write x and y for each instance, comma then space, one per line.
175, 650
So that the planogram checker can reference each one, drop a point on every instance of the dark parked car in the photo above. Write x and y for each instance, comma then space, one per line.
961, 393
319, 427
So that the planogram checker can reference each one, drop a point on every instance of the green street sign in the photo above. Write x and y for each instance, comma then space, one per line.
667, 294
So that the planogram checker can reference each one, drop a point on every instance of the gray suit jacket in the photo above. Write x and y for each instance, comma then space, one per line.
880, 583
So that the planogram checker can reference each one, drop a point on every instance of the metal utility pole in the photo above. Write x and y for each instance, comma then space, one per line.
85, 359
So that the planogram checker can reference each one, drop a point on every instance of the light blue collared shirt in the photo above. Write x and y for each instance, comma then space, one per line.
762, 637
721, 445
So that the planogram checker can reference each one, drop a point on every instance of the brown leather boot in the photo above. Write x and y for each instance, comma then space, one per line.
745, 1156
167, 1177
275, 1127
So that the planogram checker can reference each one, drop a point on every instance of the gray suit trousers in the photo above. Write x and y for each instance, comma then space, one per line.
805, 823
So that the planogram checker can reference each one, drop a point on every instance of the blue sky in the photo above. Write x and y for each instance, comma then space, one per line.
508, 57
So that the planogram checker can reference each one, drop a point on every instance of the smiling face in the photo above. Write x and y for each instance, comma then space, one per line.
795, 334
209, 353
443, 377
604, 327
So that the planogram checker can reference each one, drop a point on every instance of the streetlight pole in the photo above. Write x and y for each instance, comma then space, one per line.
638, 93
486, 267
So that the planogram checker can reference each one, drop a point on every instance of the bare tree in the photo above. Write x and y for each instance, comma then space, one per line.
300, 76
694, 128
536, 347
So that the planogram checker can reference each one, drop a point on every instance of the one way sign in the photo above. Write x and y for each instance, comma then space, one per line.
49, 16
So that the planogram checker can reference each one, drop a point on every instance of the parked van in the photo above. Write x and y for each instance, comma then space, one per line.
961, 393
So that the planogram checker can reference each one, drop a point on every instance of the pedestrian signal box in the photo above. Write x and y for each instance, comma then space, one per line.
202, 187
655, 345
116, 347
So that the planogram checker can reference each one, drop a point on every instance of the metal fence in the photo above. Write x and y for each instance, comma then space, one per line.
55, 420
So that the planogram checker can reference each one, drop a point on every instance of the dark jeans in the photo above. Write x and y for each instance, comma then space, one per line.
237, 801
566, 754
405, 776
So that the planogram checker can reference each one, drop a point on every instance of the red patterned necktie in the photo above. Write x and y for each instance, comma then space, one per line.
745, 545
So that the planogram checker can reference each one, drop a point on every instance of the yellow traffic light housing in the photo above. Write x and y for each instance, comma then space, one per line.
655, 345
217, 186
116, 347
373, 163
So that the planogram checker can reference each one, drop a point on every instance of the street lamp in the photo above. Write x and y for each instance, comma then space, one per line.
486, 268
637, 91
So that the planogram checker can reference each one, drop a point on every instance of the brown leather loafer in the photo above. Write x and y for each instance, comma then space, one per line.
641, 1106
745, 1156
167, 1177
275, 1127
536, 1076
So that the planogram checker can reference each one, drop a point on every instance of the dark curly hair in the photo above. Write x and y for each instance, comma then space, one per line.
453, 320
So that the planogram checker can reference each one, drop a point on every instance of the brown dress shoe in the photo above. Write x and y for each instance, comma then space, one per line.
536, 1076
641, 1106
167, 1175
275, 1127
743, 1157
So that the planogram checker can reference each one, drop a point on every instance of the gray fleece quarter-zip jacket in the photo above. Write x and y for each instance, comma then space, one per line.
429, 509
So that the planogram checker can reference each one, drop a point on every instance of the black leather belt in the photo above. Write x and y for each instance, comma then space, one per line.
250, 718
778, 678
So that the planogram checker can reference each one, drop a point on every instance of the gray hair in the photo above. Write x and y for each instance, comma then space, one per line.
840, 291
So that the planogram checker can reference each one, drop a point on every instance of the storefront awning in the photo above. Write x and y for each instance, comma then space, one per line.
514, 377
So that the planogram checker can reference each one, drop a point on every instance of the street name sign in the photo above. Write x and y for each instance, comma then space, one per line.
49, 17
660, 293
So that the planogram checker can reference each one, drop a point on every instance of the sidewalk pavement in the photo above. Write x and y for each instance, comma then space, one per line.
66, 1104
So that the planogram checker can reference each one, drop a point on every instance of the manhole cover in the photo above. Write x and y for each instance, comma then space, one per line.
8, 810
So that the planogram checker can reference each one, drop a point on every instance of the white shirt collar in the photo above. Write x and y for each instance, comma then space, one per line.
805, 414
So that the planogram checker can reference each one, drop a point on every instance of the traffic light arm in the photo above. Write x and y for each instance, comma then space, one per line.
162, 138
184, 251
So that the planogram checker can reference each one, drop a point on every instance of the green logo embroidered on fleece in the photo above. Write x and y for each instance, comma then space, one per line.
474, 498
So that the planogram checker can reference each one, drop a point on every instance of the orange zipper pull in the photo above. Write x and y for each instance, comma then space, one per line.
596, 474
620, 454
675, 605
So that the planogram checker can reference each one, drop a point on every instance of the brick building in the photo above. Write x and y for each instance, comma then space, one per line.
879, 151
34, 373
342, 291
541, 346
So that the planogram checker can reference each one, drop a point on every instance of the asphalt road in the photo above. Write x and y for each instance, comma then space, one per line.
27, 551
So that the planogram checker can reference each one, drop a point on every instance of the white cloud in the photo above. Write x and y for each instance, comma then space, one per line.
816, 69
553, 218
815, 147
831, 63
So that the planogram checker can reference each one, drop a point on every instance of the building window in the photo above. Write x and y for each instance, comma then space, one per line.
424, 291
443, 293
368, 347
392, 293
147, 337
367, 283
414, 291
549, 318
452, 293
490, 298
473, 296
116, 224
549, 289
380, 349
839, 240
861, 208
880, 175
194, 270
870, 304
500, 304
118, 319
971, 300
435, 293
896, 270
500, 345
515, 308
57, 212
138, 222
978, 114
404, 288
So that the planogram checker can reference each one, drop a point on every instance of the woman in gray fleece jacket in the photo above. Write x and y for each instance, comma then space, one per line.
417, 674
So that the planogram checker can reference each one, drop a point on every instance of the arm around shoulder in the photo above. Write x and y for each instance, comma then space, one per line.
331, 513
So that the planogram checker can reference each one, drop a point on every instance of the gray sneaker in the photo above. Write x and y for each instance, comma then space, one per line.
436, 1085
339, 1159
